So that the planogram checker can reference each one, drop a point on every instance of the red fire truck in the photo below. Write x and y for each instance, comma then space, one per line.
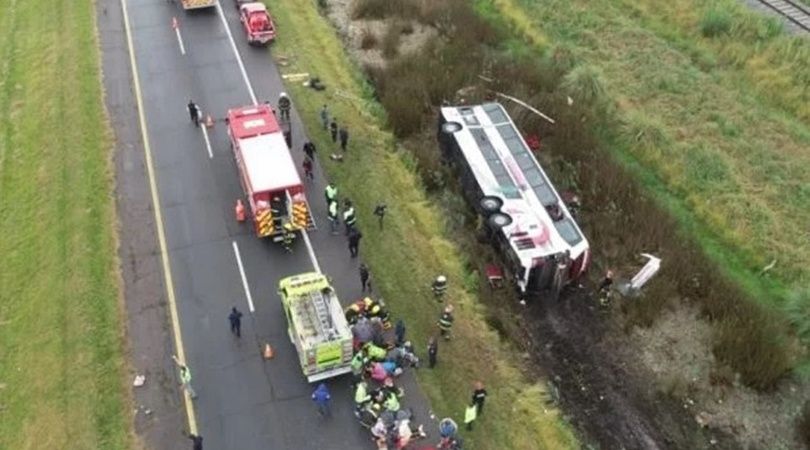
267, 172
258, 24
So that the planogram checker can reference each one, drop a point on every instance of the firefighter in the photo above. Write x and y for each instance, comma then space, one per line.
365, 276
288, 236
604, 288
349, 216
439, 287
334, 221
331, 193
278, 211
446, 322
284, 105
194, 112
353, 312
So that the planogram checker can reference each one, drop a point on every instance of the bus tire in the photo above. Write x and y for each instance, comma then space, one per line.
499, 220
490, 204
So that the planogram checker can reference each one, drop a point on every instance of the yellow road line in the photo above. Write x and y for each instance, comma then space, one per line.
164, 254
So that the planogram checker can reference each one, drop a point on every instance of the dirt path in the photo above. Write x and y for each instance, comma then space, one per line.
608, 399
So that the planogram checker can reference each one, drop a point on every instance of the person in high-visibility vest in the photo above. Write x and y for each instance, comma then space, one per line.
446, 322
288, 236
334, 221
349, 216
331, 193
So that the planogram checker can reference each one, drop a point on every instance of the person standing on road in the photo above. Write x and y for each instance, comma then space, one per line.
433, 352
284, 105
309, 150
364, 276
194, 112
333, 217
321, 398
479, 395
308, 169
185, 377
331, 193
235, 317
333, 129
354, 242
446, 322
349, 216
344, 138
325, 117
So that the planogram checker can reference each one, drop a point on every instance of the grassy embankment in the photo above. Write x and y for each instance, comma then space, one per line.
411, 250
707, 104
60, 338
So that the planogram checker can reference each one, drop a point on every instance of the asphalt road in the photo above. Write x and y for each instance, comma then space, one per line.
244, 401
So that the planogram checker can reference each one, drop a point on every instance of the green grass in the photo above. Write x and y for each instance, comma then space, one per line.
61, 365
716, 126
412, 250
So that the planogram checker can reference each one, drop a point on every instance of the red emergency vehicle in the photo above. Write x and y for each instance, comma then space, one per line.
267, 172
257, 22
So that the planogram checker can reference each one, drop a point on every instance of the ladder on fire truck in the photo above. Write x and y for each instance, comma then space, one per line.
319, 315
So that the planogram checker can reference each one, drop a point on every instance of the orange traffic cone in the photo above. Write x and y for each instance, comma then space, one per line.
240, 211
268, 351
209, 122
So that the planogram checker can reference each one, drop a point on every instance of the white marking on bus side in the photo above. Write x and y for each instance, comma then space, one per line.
244, 277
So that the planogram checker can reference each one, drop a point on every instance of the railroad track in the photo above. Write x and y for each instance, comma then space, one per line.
793, 10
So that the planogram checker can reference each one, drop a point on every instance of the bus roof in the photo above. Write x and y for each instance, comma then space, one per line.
504, 166
268, 163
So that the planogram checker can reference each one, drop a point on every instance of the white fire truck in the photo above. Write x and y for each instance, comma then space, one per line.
531, 226
267, 172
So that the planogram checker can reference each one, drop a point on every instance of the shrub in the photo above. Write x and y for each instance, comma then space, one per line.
751, 341
390, 42
798, 310
586, 84
716, 21
368, 40
381, 9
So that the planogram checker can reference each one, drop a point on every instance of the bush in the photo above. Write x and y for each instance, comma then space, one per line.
390, 43
716, 21
586, 84
368, 40
752, 343
381, 9
798, 310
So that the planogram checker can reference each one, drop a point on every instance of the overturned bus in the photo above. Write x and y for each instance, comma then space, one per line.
541, 243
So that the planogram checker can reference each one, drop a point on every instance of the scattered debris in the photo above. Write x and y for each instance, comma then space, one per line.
139, 380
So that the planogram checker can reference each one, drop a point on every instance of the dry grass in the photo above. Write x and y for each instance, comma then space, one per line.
60, 357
